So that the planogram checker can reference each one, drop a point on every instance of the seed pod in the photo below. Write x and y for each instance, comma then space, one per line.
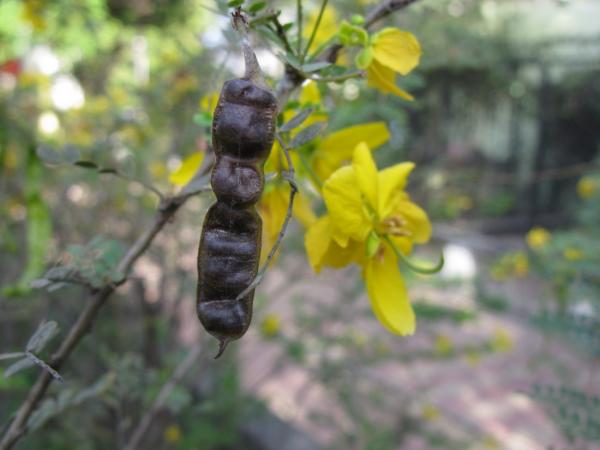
243, 130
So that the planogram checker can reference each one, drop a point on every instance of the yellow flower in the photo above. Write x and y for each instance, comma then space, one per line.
537, 238
187, 169
273, 208
521, 265
390, 51
587, 187
270, 326
208, 103
572, 254
430, 413
335, 149
501, 342
172, 434
327, 28
443, 345
370, 217
33, 13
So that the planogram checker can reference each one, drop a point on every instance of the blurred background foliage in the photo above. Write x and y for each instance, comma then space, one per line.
504, 131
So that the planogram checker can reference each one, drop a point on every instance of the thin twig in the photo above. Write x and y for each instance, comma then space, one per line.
82, 326
314, 31
180, 371
289, 177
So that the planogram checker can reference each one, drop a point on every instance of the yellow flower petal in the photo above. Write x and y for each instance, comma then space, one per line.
537, 238
310, 94
345, 206
365, 171
208, 103
399, 50
338, 147
273, 207
391, 181
187, 169
327, 28
417, 222
388, 295
384, 79
322, 250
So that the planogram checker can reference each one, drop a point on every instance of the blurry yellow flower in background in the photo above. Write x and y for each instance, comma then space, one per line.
270, 326
370, 218
572, 254
187, 169
501, 341
172, 434
430, 413
521, 265
537, 238
208, 103
327, 28
587, 187
32, 13
389, 52
443, 345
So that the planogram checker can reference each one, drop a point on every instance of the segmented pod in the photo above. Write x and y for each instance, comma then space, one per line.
243, 130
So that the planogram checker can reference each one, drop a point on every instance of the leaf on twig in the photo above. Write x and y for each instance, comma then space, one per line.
41, 363
4, 356
21, 364
308, 134
297, 120
314, 66
45, 332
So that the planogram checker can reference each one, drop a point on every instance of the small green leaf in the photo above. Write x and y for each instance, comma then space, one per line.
287, 26
315, 66
203, 119
373, 243
21, 364
45, 332
86, 164
5, 356
308, 134
363, 58
352, 35
256, 7
296, 121
235, 3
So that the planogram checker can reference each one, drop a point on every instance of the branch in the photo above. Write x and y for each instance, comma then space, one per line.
82, 326
293, 79
162, 397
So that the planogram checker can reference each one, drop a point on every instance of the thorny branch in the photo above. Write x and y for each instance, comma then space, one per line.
166, 211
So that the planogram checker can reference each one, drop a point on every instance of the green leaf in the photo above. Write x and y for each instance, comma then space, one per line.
315, 66
21, 364
308, 134
5, 356
107, 170
235, 3
203, 119
45, 332
373, 243
297, 120
256, 7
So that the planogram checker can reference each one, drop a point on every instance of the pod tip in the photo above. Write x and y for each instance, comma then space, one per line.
222, 346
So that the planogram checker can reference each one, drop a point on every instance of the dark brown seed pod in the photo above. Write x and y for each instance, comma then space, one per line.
243, 130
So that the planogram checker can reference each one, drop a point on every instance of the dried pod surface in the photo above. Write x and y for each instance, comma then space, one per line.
243, 131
